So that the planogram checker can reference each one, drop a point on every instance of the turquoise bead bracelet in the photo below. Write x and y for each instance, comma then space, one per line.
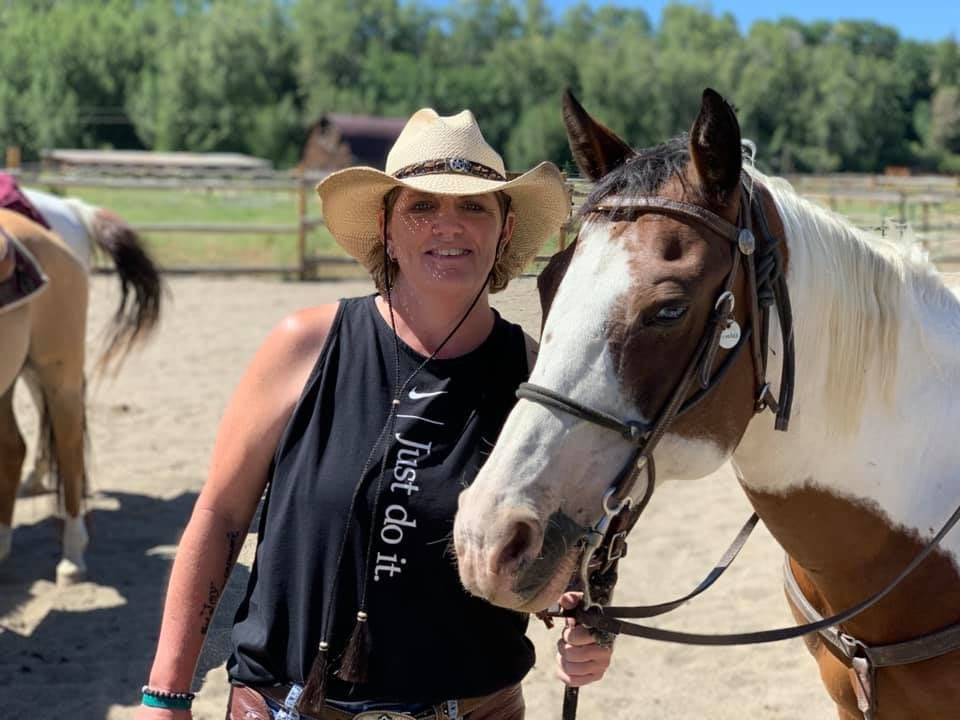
166, 700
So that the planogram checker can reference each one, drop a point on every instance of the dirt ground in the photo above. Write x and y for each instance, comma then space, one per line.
83, 652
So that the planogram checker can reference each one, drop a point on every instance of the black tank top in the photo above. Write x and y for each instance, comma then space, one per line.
431, 640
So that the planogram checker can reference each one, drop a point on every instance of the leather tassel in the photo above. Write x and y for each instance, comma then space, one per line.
354, 666
315, 691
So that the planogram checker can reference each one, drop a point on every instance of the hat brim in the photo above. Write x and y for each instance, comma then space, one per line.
352, 199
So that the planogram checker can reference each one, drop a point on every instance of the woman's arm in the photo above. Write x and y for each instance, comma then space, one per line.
247, 438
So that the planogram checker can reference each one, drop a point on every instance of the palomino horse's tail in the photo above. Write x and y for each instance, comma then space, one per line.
140, 286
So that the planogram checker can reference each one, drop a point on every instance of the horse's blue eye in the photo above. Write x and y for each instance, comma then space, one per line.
670, 313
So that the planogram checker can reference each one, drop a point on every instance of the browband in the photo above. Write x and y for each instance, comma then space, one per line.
443, 166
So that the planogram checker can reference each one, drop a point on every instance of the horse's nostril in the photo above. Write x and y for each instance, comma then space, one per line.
519, 539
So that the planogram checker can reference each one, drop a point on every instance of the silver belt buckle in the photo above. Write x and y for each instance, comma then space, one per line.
382, 715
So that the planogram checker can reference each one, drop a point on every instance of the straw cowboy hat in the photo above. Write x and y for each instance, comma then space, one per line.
446, 156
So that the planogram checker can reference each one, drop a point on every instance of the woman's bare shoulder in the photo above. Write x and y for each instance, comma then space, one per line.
275, 377
301, 333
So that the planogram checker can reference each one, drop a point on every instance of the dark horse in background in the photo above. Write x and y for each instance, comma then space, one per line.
869, 468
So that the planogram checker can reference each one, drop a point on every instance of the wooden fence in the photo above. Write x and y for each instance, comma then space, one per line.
299, 186
931, 206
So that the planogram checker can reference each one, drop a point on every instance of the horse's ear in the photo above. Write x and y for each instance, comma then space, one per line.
715, 145
595, 147
549, 279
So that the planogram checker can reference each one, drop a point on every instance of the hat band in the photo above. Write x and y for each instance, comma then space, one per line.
457, 166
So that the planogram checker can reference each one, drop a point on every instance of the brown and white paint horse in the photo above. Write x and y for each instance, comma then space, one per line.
45, 336
870, 467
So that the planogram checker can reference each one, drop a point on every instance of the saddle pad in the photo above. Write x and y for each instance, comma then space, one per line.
28, 278
12, 198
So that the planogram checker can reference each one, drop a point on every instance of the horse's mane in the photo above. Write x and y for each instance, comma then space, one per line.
858, 284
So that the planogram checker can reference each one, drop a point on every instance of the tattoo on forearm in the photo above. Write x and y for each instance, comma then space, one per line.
214, 592
206, 612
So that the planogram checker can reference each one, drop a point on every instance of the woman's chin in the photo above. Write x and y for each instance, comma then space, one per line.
455, 272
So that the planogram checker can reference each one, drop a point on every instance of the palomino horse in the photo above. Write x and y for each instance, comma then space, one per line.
87, 228
869, 469
46, 336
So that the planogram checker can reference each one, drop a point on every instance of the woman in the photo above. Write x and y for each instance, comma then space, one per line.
364, 419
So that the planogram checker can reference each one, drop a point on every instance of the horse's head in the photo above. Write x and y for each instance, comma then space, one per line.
631, 306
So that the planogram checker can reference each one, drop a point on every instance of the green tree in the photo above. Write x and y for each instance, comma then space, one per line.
222, 79
945, 119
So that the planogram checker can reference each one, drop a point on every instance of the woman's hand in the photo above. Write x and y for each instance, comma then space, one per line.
580, 660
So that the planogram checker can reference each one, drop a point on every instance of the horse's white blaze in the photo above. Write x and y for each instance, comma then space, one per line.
897, 447
574, 360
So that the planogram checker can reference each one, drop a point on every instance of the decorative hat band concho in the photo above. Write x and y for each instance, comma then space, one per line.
458, 166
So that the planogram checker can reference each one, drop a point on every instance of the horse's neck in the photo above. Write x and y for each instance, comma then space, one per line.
898, 461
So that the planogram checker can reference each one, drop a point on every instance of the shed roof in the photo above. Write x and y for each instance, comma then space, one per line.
145, 158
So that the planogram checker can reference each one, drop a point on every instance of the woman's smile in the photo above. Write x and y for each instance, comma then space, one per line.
448, 252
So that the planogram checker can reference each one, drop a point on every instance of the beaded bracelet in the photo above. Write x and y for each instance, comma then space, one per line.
166, 700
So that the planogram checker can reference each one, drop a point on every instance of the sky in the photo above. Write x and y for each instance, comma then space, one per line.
914, 19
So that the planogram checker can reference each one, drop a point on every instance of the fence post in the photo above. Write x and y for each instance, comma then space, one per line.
301, 225
13, 157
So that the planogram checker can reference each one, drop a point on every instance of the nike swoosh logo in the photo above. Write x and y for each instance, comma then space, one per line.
416, 395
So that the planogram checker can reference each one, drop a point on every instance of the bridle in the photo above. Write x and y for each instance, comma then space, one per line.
624, 501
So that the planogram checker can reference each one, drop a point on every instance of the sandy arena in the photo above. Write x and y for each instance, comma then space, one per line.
83, 652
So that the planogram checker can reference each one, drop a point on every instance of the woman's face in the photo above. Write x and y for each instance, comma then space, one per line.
445, 241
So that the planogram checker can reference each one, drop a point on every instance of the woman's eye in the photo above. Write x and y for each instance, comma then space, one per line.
420, 205
670, 314
474, 207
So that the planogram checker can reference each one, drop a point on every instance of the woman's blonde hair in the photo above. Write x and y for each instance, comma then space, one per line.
377, 260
